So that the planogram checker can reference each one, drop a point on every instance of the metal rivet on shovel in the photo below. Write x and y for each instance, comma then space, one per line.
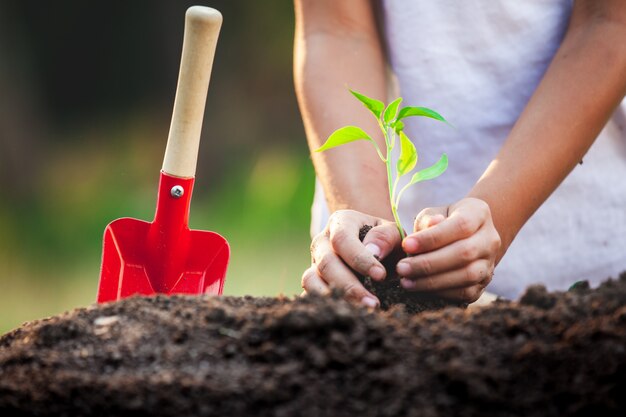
177, 191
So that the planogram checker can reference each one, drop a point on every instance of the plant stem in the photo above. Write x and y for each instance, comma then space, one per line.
394, 210
392, 184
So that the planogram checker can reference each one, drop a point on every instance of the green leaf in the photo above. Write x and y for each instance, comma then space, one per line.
342, 136
420, 111
408, 155
391, 110
375, 106
432, 171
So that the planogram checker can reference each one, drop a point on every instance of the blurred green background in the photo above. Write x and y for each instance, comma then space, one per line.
86, 92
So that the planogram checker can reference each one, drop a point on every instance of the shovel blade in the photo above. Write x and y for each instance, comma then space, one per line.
132, 264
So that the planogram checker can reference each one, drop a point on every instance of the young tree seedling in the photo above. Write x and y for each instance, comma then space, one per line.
390, 122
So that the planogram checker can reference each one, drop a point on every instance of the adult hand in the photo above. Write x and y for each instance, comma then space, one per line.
455, 250
337, 254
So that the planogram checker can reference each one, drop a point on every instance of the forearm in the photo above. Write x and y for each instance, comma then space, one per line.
328, 60
584, 83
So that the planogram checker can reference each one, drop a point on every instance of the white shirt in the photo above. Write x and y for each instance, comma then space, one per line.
477, 63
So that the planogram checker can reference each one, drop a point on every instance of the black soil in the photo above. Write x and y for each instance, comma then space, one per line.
551, 354
390, 293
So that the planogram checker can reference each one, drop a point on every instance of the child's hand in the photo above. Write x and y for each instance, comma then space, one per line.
337, 253
455, 250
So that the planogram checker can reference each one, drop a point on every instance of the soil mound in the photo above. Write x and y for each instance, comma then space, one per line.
551, 354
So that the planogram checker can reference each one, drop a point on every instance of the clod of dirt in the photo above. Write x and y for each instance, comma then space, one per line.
317, 356
538, 296
391, 293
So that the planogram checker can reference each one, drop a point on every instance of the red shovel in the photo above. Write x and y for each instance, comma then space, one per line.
165, 256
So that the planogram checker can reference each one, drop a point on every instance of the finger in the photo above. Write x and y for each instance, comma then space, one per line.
344, 241
476, 273
459, 225
434, 220
467, 294
429, 217
313, 283
451, 257
337, 274
382, 240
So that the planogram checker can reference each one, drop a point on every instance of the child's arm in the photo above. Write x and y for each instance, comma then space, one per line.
336, 47
580, 90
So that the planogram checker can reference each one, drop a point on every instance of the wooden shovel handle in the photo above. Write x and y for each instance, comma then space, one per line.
202, 27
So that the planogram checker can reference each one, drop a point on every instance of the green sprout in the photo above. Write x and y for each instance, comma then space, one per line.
390, 122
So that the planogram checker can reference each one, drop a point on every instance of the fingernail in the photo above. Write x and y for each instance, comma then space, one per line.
373, 249
407, 283
403, 269
376, 272
410, 245
369, 301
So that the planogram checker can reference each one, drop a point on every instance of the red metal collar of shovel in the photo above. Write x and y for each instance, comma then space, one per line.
164, 256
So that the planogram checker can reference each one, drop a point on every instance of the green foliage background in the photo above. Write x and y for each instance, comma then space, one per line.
88, 89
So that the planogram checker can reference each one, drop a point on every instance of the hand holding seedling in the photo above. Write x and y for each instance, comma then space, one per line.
337, 253
456, 245
454, 251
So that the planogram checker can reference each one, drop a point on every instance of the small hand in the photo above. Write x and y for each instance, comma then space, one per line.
337, 254
455, 250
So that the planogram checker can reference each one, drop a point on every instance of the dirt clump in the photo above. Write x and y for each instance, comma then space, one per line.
553, 354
